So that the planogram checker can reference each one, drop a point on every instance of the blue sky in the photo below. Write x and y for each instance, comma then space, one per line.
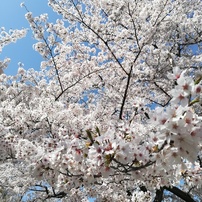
13, 16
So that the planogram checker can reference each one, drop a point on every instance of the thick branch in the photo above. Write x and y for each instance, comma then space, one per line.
181, 194
125, 94
200, 161
159, 195
127, 85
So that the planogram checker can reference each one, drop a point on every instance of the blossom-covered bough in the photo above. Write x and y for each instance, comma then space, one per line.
115, 111
7, 38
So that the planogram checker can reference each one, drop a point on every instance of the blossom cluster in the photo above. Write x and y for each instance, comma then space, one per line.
7, 38
11, 36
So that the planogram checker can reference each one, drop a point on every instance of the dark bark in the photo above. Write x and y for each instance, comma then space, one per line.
181, 194
143, 188
159, 195
200, 161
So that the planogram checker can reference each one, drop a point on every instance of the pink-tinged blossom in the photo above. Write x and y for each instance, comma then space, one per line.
180, 97
185, 83
197, 90
176, 73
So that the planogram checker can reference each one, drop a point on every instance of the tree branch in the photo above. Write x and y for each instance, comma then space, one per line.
127, 85
181, 194
159, 195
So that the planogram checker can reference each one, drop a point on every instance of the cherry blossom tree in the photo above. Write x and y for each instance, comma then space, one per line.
115, 111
